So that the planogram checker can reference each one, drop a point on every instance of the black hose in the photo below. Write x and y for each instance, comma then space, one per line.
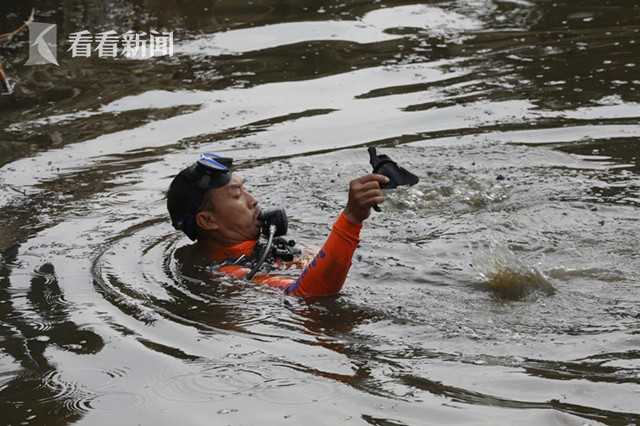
265, 253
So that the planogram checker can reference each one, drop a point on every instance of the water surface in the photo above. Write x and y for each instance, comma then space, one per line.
503, 288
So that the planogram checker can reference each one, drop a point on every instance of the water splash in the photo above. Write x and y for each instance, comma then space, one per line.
507, 276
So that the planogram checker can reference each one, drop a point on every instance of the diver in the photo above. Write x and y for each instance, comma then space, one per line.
210, 204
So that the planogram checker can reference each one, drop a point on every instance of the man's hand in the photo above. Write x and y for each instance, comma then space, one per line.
364, 192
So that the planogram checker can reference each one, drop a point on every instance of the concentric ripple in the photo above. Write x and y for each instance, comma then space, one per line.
71, 388
212, 383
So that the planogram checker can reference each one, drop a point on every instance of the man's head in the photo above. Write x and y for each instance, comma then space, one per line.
208, 201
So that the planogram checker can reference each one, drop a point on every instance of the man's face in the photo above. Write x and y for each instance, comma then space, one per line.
234, 213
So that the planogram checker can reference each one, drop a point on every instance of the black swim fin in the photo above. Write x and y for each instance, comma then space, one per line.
397, 175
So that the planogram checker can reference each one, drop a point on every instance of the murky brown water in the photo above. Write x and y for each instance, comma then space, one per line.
502, 289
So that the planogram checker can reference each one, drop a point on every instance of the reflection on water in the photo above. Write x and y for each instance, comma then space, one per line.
502, 288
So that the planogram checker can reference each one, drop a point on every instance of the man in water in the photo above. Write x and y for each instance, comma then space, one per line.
211, 206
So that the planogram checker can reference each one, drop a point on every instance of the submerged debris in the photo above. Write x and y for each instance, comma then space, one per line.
507, 277
513, 284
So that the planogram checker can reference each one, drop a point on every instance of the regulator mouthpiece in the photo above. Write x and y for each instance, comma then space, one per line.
275, 217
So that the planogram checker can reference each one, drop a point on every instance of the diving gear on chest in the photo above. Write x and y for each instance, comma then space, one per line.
274, 225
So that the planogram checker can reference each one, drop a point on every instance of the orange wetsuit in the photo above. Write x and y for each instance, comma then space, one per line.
323, 276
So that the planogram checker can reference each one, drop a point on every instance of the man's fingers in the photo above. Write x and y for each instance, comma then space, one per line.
365, 192
365, 195
374, 200
370, 198
381, 179
370, 185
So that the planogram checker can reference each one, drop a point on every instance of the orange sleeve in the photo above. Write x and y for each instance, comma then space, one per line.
325, 274
237, 271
